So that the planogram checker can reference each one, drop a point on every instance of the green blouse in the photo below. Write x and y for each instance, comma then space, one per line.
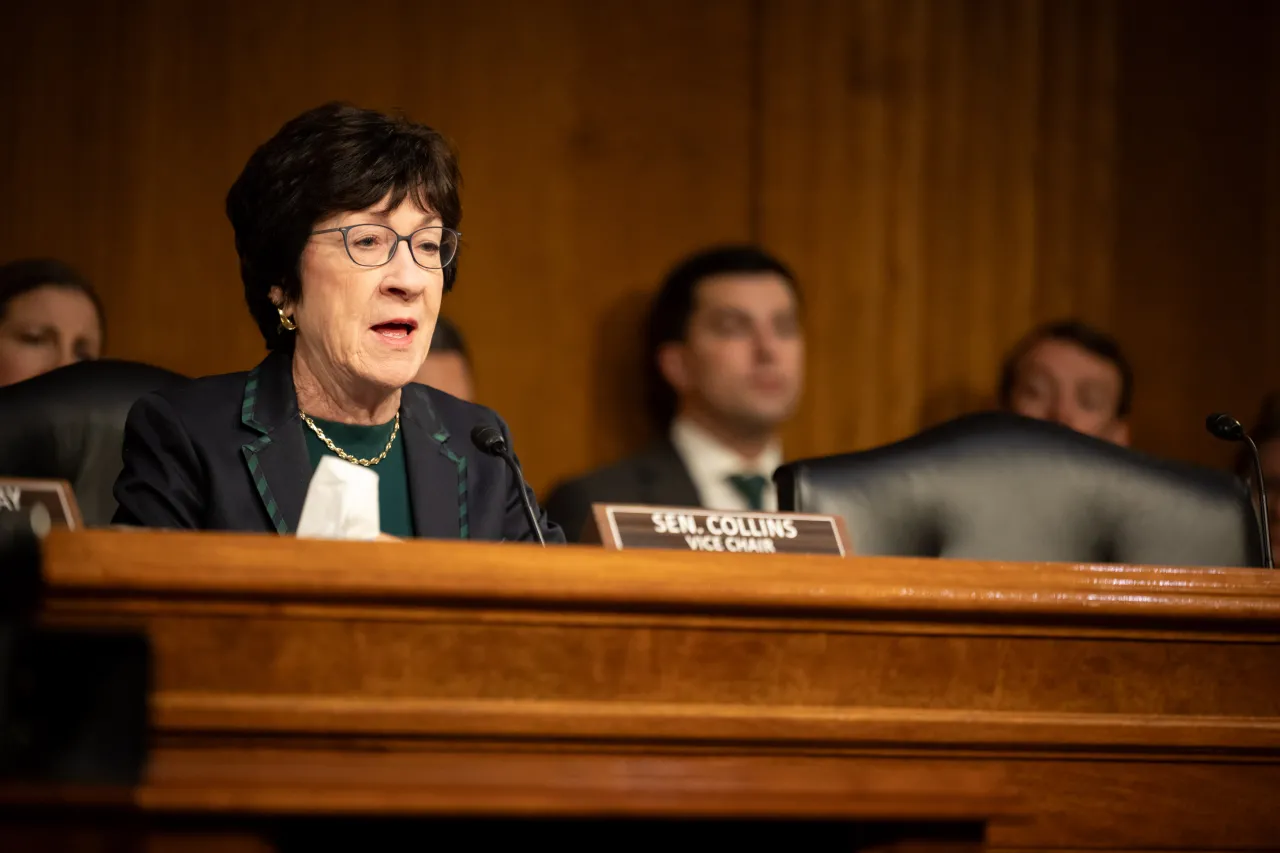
365, 442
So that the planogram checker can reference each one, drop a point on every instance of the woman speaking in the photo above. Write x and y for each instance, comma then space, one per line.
346, 227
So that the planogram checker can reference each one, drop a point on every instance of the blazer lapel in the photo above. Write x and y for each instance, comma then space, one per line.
668, 481
438, 476
277, 458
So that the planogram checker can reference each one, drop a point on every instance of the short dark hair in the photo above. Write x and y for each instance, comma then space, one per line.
1082, 335
28, 274
330, 159
673, 305
447, 338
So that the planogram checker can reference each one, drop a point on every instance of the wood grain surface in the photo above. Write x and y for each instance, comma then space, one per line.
1074, 706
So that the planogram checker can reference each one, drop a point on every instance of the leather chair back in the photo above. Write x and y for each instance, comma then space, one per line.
996, 486
68, 424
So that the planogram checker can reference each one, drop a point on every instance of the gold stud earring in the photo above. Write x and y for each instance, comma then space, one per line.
286, 323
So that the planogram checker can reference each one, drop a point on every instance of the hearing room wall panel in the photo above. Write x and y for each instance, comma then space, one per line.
1270, 308
946, 174
945, 182
599, 140
1192, 298
941, 173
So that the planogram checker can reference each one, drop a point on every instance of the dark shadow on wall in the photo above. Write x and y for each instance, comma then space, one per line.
622, 424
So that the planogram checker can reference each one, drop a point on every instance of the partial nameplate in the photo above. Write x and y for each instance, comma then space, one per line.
620, 527
45, 503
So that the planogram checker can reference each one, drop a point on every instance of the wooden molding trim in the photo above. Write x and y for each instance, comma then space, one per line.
832, 728
234, 566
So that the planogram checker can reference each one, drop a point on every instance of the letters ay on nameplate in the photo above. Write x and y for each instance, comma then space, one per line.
720, 531
44, 503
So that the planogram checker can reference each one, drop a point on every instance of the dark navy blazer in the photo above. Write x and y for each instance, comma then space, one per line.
229, 453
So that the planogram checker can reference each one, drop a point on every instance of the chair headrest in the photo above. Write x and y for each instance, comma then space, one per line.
102, 382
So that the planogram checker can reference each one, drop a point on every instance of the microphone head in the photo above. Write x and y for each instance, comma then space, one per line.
489, 439
1225, 427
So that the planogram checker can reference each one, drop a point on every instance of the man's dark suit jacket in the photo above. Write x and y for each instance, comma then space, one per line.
229, 453
656, 476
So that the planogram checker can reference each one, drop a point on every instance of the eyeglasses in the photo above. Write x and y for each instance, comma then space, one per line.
433, 247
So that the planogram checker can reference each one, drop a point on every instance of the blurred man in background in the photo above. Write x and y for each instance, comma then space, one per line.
1073, 374
726, 365
448, 366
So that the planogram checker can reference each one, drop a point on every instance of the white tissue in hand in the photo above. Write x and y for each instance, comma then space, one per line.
342, 502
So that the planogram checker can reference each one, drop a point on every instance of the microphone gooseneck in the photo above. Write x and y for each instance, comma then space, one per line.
490, 440
1227, 428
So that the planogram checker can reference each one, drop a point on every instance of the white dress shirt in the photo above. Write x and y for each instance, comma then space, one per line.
711, 464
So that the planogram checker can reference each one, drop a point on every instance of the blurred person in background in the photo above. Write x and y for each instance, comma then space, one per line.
1073, 374
725, 371
345, 225
448, 366
49, 317
1266, 434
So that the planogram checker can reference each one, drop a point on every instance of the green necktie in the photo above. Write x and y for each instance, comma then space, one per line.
751, 487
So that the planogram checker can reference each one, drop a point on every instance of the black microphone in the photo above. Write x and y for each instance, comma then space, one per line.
1227, 428
489, 439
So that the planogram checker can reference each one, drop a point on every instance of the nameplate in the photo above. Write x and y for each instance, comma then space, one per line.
44, 503
717, 531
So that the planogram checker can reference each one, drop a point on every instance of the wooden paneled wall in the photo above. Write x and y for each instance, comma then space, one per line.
941, 173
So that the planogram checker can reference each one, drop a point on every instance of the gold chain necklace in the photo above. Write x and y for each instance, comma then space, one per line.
342, 454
